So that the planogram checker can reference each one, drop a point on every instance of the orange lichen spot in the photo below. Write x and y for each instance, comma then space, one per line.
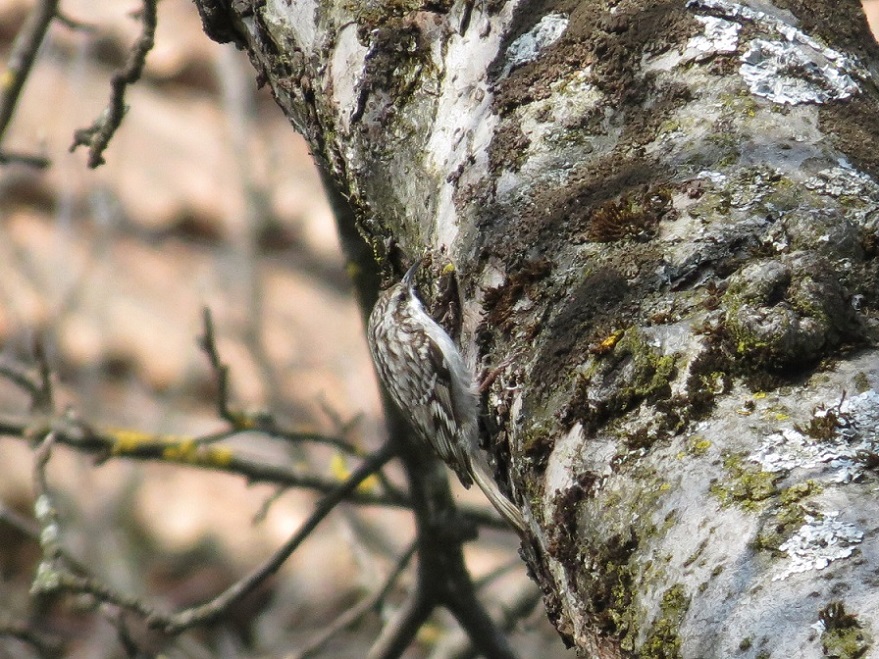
607, 345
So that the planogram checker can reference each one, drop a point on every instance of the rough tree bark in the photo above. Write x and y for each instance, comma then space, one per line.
666, 215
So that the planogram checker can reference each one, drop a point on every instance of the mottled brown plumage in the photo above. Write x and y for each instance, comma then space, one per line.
424, 372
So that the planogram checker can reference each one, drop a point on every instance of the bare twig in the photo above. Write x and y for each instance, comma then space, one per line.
12, 157
208, 343
20, 379
260, 515
342, 428
356, 612
297, 436
53, 575
21, 60
519, 606
24, 525
124, 635
498, 572
396, 636
97, 136
217, 606
38, 388
73, 23
44, 399
243, 421
45, 646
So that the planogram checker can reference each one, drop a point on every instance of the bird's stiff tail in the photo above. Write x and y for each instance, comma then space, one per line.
501, 503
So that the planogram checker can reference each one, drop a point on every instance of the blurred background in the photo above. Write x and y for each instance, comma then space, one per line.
208, 198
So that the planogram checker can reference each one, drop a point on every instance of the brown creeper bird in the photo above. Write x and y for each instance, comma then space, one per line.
424, 372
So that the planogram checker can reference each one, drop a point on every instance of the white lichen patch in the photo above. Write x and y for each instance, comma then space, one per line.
857, 190
545, 124
791, 73
298, 18
347, 71
790, 449
551, 155
820, 541
744, 191
844, 181
720, 36
841, 456
789, 67
43, 510
463, 124
563, 461
719, 179
527, 47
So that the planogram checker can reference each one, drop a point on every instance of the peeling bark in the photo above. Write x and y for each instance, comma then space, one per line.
668, 213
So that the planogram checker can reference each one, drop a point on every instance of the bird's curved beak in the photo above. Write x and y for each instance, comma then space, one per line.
409, 277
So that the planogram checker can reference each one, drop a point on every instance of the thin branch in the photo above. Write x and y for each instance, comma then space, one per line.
356, 612
484, 634
294, 436
512, 611
44, 400
52, 575
343, 428
97, 136
14, 157
24, 525
60, 580
216, 607
20, 379
133, 445
497, 573
46, 647
208, 343
398, 634
244, 421
38, 388
124, 635
21, 60
74, 24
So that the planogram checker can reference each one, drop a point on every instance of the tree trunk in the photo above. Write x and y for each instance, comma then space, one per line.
664, 215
